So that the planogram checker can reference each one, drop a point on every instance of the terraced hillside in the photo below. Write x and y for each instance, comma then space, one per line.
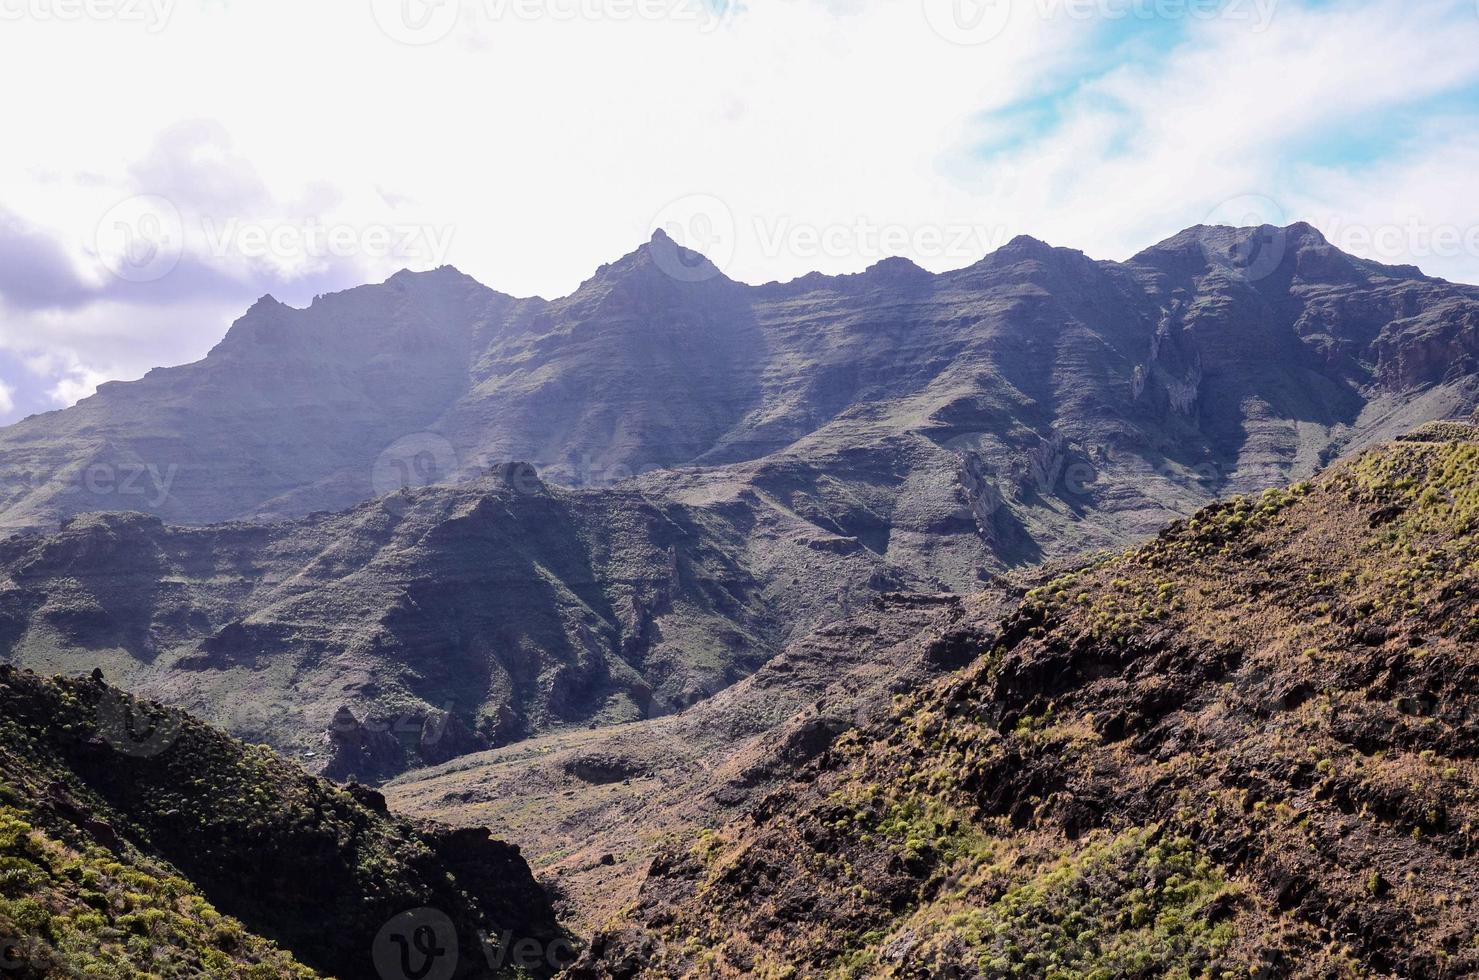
1248, 745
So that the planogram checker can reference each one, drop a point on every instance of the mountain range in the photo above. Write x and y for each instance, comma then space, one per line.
1237, 350
422, 518
869, 625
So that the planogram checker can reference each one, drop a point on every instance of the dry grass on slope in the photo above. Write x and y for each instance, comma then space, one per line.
1245, 747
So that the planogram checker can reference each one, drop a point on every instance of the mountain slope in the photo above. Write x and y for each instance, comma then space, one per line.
135, 840
434, 622
291, 403
817, 443
594, 806
1247, 745
1067, 398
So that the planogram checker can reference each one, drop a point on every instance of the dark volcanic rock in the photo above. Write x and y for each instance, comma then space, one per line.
606, 768
357, 749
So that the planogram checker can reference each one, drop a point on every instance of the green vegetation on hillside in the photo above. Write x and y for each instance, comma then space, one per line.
137, 841
1245, 748
71, 907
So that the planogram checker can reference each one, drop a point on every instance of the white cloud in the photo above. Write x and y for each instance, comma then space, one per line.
7, 399
63, 355
1147, 149
1405, 210
72, 388
292, 140
549, 144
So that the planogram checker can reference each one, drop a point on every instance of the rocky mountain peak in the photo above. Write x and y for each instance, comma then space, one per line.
1024, 250
659, 256
660, 360
1255, 253
1026, 245
896, 268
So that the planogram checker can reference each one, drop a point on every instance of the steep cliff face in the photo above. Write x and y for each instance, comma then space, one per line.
1172, 372
1247, 746
138, 841
1438, 346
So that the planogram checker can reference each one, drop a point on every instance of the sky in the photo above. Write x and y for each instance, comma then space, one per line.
166, 162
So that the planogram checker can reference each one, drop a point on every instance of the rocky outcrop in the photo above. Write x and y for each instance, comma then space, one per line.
366, 750
1171, 372
1045, 463
1436, 346
982, 498
603, 768
444, 735
378, 746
